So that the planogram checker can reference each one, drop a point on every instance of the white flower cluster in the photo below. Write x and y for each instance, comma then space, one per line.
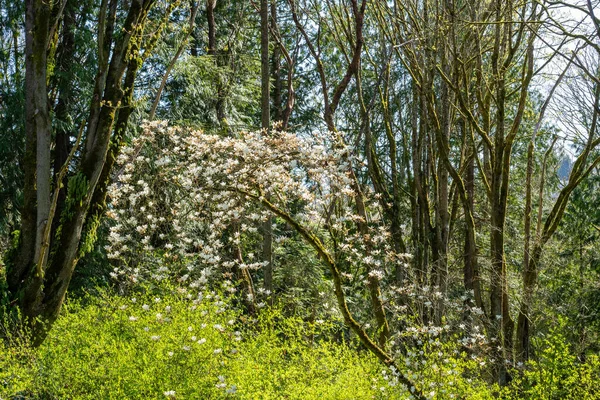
189, 198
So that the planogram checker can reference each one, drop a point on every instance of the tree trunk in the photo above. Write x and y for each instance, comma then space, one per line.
38, 277
212, 51
471, 268
267, 249
171, 65
23, 271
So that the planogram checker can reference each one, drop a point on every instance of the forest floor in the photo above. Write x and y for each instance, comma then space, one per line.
162, 343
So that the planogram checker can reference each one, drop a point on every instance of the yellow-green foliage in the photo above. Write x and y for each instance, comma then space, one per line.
167, 344
556, 374
109, 349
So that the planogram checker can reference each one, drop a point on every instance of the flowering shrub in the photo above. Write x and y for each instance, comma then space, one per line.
188, 205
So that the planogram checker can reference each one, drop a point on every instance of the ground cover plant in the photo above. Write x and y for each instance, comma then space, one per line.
165, 343
178, 347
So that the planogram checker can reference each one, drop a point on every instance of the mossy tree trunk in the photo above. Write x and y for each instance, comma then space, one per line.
50, 243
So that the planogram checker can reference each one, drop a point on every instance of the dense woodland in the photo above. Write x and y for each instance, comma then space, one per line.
342, 199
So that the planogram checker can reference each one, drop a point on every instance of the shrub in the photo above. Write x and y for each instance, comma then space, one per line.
167, 343
556, 374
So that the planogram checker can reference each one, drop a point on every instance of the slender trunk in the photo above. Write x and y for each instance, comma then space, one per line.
471, 267
267, 250
171, 65
499, 306
393, 213
210, 15
63, 136
212, 51
276, 67
373, 282
529, 269
442, 195
522, 343
243, 274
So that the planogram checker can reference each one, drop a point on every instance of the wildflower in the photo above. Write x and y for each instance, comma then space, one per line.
231, 390
132, 318
201, 341
170, 394
145, 307
155, 338
217, 351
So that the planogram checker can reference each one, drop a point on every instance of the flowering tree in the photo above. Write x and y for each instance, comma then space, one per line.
192, 198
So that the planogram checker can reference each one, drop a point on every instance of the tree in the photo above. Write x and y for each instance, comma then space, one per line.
11, 119
265, 119
216, 183
58, 221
